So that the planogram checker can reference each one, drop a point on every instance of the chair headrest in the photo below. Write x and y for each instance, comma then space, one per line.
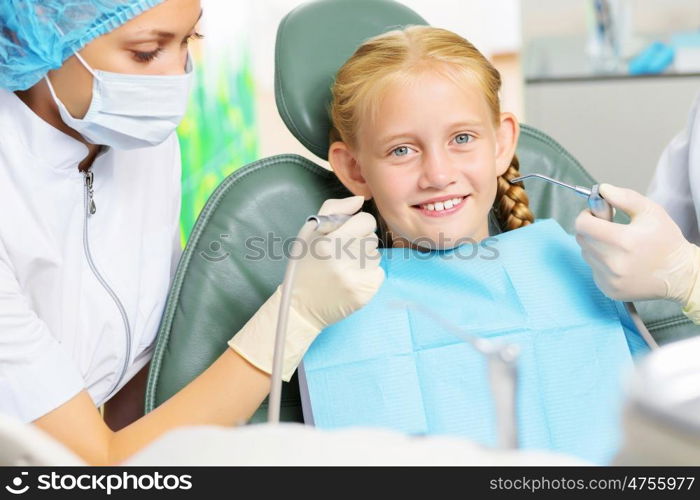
313, 42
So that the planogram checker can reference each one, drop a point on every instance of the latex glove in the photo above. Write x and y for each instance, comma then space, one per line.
649, 258
339, 276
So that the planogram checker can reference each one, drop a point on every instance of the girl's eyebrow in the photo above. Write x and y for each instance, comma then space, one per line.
466, 124
453, 126
395, 138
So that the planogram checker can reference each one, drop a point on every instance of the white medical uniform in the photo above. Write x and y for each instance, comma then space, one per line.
676, 182
60, 330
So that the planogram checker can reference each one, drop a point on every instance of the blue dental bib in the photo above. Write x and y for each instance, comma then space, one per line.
392, 365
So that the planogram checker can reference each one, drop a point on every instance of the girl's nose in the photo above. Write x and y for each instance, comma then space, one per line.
437, 172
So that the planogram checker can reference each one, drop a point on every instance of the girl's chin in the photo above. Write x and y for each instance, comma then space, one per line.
436, 241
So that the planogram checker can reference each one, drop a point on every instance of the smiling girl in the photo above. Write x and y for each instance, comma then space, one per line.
417, 128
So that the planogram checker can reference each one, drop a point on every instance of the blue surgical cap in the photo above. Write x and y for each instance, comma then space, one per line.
39, 35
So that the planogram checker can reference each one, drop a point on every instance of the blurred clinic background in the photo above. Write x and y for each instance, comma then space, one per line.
611, 80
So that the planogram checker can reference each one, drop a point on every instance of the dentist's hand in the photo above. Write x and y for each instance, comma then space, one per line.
341, 271
649, 258
338, 273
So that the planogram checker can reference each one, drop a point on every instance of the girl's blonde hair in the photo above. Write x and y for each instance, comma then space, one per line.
396, 56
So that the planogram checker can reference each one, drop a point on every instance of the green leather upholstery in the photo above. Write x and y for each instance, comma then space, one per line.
224, 276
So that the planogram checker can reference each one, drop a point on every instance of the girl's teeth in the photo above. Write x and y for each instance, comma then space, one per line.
442, 205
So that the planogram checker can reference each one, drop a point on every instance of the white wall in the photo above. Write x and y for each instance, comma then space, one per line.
616, 128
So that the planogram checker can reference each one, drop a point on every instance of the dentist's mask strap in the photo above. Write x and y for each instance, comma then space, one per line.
130, 111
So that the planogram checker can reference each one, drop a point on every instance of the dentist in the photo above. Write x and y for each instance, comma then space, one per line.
91, 92
656, 255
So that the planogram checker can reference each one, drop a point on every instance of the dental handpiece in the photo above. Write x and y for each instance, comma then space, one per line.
328, 223
603, 210
322, 224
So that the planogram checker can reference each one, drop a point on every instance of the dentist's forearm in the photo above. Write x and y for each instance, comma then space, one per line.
227, 393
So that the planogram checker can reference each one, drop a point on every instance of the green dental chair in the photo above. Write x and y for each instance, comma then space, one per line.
235, 257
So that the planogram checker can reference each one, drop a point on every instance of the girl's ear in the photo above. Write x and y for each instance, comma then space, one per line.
346, 167
506, 141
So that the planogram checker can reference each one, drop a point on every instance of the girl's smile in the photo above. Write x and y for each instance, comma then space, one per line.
442, 206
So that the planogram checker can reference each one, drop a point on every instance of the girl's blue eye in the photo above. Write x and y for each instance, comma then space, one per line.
463, 138
400, 151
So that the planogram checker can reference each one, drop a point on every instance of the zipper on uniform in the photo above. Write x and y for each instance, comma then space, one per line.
90, 209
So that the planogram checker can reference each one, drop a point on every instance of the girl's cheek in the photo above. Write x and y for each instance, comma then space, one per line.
386, 190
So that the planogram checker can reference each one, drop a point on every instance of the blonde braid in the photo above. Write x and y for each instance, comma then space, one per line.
511, 204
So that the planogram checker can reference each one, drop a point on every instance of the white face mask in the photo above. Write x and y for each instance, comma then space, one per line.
130, 111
